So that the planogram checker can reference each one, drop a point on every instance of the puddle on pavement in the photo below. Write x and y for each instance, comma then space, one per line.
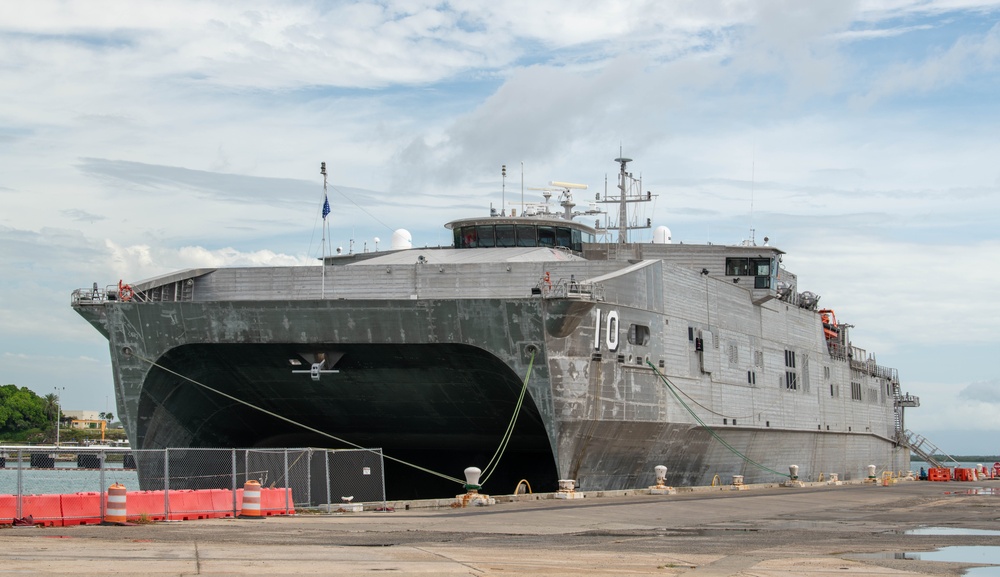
955, 554
975, 491
951, 531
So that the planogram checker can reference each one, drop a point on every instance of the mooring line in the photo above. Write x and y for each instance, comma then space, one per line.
296, 423
671, 387
495, 461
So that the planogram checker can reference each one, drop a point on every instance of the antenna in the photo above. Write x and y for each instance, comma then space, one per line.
503, 190
326, 208
753, 179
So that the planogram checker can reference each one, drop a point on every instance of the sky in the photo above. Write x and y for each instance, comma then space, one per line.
860, 137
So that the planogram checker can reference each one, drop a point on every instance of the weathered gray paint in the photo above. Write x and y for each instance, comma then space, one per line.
607, 421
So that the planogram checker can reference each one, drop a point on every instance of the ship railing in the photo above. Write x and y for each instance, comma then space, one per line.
88, 296
98, 296
573, 290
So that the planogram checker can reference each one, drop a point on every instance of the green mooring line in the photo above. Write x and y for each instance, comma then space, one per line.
296, 423
495, 461
671, 387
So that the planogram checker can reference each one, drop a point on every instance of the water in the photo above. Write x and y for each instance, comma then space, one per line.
915, 465
985, 554
950, 531
64, 478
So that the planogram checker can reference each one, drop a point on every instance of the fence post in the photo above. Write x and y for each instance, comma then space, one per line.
20, 483
286, 482
326, 467
234, 481
104, 486
166, 483
309, 476
381, 466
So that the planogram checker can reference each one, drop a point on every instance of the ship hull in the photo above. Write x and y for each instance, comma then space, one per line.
629, 356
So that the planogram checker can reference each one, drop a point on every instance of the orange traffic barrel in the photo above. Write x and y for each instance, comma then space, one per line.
115, 512
251, 500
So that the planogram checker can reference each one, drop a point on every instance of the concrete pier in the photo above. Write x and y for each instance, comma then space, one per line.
818, 530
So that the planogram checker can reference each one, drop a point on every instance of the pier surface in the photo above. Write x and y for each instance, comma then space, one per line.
813, 531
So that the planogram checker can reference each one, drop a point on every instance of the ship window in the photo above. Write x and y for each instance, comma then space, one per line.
470, 239
564, 237
762, 282
526, 235
760, 266
505, 235
738, 267
790, 359
546, 236
638, 335
791, 382
486, 237
458, 237
855, 391
577, 240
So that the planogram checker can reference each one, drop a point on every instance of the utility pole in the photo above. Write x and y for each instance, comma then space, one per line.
57, 413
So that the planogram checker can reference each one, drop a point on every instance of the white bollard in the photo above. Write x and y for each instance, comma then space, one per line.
472, 487
661, 488
793, 477
871, 473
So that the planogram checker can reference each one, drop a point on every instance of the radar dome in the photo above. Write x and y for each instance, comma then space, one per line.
661, 235
401, 239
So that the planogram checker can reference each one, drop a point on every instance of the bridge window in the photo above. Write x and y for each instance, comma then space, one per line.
505, 235
486, 237
546, 236
564, 238
760, 266
738, 267
526, 235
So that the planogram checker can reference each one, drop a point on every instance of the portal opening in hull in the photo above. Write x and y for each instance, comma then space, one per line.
442, 407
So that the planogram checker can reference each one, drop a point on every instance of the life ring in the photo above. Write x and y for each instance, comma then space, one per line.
125, 292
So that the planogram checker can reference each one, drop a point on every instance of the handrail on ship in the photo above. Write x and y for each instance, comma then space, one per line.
98, 296
564, 288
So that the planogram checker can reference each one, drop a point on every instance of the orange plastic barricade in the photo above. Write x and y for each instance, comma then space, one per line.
222, 503
81, 508
188, 504
147, 505
45, 510
938, 474
8, 508
273, 502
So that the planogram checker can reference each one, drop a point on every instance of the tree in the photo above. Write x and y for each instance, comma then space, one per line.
106, 416
51, 405
20, 409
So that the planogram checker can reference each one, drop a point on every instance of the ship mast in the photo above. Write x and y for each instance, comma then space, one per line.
630, 190
622, 205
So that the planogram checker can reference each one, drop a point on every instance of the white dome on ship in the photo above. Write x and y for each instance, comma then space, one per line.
401, 239
661, 235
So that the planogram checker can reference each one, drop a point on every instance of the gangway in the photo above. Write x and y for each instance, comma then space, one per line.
927, 450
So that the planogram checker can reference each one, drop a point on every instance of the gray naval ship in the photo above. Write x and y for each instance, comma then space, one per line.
703, 358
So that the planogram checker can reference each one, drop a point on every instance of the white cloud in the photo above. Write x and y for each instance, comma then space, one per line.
145, 137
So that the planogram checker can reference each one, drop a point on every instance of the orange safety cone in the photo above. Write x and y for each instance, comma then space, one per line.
251, 500
115, 511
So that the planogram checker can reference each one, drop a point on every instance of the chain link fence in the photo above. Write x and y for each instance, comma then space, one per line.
200, 482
